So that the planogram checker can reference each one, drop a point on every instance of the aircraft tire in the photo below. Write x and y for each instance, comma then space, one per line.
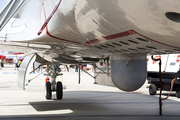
48, 91
152, 89
59, 91
178, 94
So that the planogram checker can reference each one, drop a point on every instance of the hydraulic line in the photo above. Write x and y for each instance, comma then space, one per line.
160, 77
172, 84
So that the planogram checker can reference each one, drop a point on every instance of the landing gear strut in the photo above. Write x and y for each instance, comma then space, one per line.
53, 86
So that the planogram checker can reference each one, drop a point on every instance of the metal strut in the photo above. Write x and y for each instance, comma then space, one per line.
89, 73
79, 67
102, 70
79, 73
36, 76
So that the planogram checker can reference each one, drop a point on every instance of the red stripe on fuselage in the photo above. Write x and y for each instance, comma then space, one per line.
156, 41
110, 37
118, 35
47, 32
48, 19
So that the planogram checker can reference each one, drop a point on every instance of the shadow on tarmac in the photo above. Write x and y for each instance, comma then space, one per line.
93, 105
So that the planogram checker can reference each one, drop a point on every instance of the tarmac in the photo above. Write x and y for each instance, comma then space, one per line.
85, 101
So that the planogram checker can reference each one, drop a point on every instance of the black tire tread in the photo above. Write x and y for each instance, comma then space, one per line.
178, 94
59, 91
48, 91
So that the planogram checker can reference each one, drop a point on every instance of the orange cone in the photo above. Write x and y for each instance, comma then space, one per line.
47, 79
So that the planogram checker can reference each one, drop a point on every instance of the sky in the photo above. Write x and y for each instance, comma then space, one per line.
2, 4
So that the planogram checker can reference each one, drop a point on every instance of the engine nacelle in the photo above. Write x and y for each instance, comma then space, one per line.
128, 74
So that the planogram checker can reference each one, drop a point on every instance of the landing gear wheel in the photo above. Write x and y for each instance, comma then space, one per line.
48, 91
59, 91
178, 94
152, 89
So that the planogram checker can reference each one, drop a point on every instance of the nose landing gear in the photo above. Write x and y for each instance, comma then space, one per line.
52, 85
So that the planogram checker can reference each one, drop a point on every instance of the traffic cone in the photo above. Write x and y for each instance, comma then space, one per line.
47, 79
